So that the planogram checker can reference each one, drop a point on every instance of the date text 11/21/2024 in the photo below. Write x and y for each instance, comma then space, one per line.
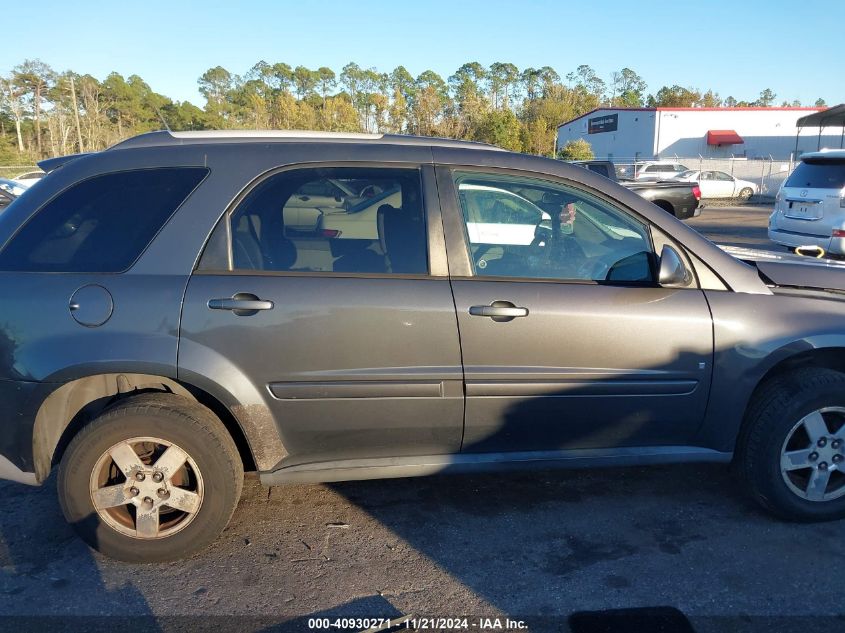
418, 624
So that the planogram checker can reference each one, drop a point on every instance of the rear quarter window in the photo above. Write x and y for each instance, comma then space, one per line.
829, 174
102, 224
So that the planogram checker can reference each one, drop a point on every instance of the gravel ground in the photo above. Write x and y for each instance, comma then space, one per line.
680, 547
536, 546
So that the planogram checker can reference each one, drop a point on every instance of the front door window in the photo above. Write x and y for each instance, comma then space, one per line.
535, 229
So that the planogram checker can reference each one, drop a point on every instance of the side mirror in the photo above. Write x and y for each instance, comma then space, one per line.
672, 271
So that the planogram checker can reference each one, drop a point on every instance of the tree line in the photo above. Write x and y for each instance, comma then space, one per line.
45, 113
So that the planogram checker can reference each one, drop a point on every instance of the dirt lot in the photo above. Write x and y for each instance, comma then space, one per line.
680, 546
532, 546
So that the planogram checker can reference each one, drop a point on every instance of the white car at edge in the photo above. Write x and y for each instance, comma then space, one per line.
719, 184
810, 206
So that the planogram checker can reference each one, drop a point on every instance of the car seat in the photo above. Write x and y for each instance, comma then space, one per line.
402, 236
276, 252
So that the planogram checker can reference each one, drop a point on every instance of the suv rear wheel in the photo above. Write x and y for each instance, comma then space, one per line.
793, 452
155, 477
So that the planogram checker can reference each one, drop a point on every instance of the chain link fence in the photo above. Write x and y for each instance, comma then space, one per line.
768, 174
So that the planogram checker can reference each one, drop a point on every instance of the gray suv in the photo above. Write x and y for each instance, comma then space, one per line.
163, 328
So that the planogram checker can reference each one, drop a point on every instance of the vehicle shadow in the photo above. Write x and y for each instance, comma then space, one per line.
671, 546
42, 563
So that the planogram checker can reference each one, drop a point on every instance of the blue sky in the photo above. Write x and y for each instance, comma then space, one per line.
736, 47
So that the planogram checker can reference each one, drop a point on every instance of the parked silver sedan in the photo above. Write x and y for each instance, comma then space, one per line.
719, 184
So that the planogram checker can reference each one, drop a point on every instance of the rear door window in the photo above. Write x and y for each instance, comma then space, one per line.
102, 224
380, 229
829, 174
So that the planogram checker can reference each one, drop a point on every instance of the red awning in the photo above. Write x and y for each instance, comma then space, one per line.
724, 137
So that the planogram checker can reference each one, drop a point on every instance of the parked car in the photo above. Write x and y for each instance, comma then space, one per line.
360, 221
12, 186
658, 170
810, 206
681, 200
29, 178
617, 336
304, 209
719, 184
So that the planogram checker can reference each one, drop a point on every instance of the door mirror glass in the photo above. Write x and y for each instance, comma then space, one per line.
672, 270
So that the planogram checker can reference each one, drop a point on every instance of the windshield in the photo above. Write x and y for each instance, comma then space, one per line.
687, 174
827, 174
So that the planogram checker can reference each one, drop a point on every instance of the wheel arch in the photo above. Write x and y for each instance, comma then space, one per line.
72, 405
665, 205
822, 358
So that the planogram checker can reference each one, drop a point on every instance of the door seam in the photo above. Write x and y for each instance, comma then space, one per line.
457, 324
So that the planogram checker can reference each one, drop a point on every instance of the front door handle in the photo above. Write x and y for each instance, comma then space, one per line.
242, 304
499, 311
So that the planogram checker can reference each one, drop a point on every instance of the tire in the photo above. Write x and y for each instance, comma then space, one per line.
774, 425
207, 484
745, 194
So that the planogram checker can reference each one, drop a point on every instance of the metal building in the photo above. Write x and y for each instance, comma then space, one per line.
626, 134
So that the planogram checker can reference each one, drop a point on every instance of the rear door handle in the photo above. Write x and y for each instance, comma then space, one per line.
499, 311
242, 304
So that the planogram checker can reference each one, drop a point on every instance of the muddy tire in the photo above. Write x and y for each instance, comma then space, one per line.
156, 477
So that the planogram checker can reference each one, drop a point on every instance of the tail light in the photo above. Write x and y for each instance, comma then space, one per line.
696, 191
330, 233
842, 202
837, 233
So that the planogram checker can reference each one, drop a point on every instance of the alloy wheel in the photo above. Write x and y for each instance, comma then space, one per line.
146, 488
812, 461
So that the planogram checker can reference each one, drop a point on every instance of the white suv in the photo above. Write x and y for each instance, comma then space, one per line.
810, 206
660, 171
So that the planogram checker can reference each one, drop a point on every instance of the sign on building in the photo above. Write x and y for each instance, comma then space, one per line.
606, 123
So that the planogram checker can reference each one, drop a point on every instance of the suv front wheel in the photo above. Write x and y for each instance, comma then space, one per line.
155, 477
793, 452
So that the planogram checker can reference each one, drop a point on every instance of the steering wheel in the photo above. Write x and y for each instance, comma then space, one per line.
370, 191
542, 240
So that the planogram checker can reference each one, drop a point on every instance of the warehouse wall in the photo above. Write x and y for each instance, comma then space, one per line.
634, 134
646, 134
765, 132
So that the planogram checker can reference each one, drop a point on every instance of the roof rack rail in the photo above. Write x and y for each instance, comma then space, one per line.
164, 138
